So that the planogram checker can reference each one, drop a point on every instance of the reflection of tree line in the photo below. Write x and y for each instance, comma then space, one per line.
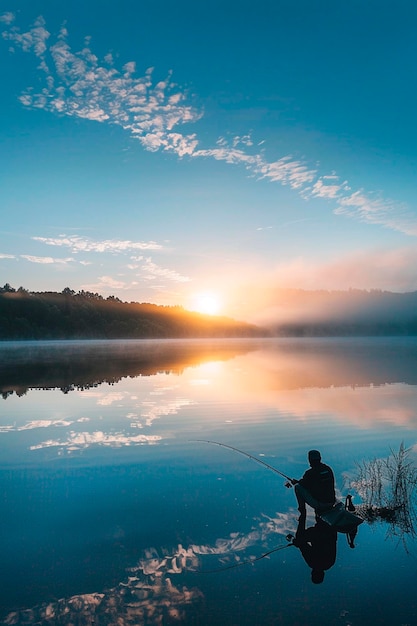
341, 362
86, 315
83, 365
297, 364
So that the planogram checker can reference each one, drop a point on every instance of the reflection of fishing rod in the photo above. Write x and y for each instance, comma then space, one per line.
254, 458
248, 562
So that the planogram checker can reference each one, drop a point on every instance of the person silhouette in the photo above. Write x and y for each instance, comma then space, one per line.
317, 545
316, 487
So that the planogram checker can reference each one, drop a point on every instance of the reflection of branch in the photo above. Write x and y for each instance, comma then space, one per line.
247, 562
387, 486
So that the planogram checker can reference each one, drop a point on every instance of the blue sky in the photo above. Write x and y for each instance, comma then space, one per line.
160, 151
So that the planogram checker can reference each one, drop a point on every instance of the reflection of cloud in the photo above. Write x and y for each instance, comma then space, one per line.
7, 18
145, 409
137, 601
153, 410
237, 548
77, 441
44, 424
360, 404
36, 424
109, 398
363, 406
148, 595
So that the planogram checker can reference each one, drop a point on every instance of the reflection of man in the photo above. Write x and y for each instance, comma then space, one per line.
317, 544
316, 487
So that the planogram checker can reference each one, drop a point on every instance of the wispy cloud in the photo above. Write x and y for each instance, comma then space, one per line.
83, 244
7, 256
46, 260
79, 84
106, 282
377, 210
328, 187
287, 171
144, 269
149, 270
141, 267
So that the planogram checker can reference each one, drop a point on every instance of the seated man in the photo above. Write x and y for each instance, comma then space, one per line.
316, 487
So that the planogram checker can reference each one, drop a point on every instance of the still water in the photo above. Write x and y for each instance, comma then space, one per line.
114, 513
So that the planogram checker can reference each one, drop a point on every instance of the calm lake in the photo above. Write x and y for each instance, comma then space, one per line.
113, 513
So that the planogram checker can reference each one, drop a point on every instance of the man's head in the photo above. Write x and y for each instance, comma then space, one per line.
317, 576
314, 457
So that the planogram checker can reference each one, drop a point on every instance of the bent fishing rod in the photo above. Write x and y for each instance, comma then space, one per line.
249, 456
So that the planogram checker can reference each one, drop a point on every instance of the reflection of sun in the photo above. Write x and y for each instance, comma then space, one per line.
207, 303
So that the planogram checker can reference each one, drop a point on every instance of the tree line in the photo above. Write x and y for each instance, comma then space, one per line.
26, 315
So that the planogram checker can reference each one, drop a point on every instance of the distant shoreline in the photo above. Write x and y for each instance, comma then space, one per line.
67, 315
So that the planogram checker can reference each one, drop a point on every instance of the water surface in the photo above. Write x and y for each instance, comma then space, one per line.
113, 510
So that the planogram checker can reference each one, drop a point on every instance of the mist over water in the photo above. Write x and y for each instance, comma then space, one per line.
112, 509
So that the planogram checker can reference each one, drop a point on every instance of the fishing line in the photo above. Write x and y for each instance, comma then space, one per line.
254, 458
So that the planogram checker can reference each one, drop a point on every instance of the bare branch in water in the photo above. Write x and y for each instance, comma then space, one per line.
387, 488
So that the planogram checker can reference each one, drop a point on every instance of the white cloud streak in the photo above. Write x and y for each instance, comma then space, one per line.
374, 210
151, 271
144, 267
46, 260
106, 282
78, 84
83, 244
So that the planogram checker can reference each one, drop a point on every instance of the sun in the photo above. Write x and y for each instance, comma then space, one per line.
207, 303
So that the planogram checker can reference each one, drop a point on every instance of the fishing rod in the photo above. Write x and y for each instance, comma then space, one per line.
254, 458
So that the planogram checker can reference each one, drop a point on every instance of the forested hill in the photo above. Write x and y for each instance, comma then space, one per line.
86, 315
299, 313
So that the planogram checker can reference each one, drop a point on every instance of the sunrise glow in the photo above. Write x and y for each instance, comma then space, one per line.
190, 179
207, 303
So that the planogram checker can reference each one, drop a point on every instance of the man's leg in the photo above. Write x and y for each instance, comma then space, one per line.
301, 501
303, 496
